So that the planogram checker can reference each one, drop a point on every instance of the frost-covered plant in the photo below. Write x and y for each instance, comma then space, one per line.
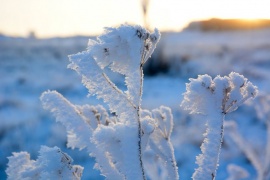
215, 98
115, 141
52, 163
118, 139
260, 161
129, 142
159, 154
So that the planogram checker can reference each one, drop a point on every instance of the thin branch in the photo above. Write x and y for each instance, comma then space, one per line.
139, 122
117, 90
138, 112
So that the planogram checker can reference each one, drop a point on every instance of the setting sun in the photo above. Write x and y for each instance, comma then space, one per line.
69, 17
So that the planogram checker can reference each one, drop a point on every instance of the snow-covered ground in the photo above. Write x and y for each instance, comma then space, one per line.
29, 67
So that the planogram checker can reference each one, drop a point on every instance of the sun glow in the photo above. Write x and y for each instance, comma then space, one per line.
181, 12
70, 17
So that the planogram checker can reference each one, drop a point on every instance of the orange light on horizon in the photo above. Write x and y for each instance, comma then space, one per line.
179, 15
68, 17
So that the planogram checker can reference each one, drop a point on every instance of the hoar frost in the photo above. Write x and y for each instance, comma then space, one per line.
118, 142
129, 142
215, 98
123, 50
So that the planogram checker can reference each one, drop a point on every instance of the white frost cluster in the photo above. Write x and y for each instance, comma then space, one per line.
52, 163
124, 48
215, 98
222, 94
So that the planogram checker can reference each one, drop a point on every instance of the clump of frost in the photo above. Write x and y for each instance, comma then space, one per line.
52, 163
215, 98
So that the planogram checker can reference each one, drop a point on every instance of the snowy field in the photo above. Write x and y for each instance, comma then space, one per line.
29, 67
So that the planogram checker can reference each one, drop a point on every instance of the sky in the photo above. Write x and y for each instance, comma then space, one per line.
49, 18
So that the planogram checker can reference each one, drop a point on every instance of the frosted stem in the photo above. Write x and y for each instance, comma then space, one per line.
172, 169
208, 160
140, 143
215, 98
139, 120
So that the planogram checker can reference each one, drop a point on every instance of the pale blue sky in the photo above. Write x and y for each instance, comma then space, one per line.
69, 17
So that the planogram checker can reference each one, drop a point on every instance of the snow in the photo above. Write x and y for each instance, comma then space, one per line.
29, 67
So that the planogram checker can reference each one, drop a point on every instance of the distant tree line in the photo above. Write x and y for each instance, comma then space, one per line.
228, 24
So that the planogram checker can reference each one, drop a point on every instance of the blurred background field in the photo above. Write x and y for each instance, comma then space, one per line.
32, 64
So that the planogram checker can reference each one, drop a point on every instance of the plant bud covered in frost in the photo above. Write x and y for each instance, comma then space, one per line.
52, 163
